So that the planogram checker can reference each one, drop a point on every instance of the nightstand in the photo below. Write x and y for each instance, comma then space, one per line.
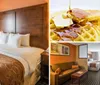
45, 67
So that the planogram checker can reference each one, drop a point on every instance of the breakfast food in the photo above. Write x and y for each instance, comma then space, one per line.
75, 25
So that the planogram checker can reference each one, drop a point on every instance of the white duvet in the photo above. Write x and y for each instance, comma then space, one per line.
28, 56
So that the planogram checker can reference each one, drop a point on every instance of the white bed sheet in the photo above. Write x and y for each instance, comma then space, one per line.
28, 56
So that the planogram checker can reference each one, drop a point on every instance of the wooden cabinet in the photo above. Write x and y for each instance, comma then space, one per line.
45, 58
45, 67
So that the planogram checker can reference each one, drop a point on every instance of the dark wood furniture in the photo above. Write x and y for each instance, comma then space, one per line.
33, 20
78, 75
45, 67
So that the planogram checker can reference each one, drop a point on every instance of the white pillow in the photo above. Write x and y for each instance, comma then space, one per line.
14, 40
25, 39
3, 38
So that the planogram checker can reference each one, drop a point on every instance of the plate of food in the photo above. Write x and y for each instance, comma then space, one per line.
75, 24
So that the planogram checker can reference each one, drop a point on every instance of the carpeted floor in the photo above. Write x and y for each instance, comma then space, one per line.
93, 79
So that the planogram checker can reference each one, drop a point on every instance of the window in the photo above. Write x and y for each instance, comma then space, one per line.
83, 51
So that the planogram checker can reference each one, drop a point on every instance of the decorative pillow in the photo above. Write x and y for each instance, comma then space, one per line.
14, 40
3, 38
25, 41
58, 71
75, 66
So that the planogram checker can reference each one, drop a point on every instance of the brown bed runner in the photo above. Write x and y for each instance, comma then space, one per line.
11, 71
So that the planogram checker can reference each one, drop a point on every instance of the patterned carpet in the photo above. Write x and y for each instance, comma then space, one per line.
93, 79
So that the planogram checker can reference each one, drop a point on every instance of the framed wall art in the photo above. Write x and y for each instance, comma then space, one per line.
59, 49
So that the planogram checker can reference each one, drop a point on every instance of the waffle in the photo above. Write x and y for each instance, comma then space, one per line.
93, 18
89, 34
54, 36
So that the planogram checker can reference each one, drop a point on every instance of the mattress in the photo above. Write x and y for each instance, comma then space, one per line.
28, 56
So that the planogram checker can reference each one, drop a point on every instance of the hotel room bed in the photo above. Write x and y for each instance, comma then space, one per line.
28, 56
94, 65
31, 20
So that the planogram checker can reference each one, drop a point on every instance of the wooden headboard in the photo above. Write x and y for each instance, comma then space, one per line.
33, 20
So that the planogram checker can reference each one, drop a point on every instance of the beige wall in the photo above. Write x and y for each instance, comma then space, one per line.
81, 62
13, 4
